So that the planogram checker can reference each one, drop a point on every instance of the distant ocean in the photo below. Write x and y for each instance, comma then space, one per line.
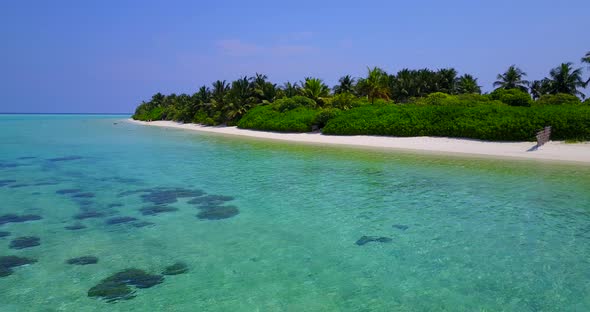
98, 214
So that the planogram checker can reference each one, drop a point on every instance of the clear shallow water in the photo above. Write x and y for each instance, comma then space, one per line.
482, 235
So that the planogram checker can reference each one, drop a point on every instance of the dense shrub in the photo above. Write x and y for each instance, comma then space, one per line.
495, 122
325, 115
287, 104
475, 98
343, 101
437, 98
365, 101
266, 118
512, 97
201, 117
558, 99
440, 98
157, 113
182, 115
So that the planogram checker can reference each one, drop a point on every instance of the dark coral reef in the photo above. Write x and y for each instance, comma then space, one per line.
7, 263
25, 242
84, 260
118, 286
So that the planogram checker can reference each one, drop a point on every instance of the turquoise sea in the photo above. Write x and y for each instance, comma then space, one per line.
449, 233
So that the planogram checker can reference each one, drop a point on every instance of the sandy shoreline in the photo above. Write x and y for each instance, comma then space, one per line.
552, 151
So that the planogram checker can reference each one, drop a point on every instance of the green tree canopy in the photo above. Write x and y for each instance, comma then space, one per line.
566, 79
467, 84
538, 88
408, 84
203, 95
447, 80
513, 78
586, 59
264, 91
315, 89
376, 85
240, 98
220, 89
346, 85
290, 89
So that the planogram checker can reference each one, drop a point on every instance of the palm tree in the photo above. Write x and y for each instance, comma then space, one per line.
565, 79
264, 91
468, 84
407, 83
185, 108
586, 59
220, 89
259, 79
218, 96
376, 85
158, 99
203, 95
512, 79
240, 98
402, 85
540, 87
346, 85
446, 80
267, 93
169, 100
291, 89
315, 89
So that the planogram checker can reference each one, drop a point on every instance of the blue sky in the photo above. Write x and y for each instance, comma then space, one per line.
108, 56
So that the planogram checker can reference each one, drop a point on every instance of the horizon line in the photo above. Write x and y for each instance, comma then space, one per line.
41, 113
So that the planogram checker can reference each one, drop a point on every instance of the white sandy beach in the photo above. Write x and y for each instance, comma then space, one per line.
552, 151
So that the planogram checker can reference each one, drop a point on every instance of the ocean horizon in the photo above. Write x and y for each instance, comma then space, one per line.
113, 114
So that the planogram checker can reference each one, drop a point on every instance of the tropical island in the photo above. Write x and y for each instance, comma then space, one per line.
410, 103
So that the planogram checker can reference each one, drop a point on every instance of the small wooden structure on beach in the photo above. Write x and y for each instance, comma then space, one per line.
543, 136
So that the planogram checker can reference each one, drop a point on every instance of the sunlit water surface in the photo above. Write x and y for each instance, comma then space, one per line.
466, 234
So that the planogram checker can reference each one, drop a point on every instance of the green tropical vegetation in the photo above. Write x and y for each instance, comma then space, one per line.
513, 78
464, 118
420, 102
315, 89
563, 79
345, 85
586, 59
